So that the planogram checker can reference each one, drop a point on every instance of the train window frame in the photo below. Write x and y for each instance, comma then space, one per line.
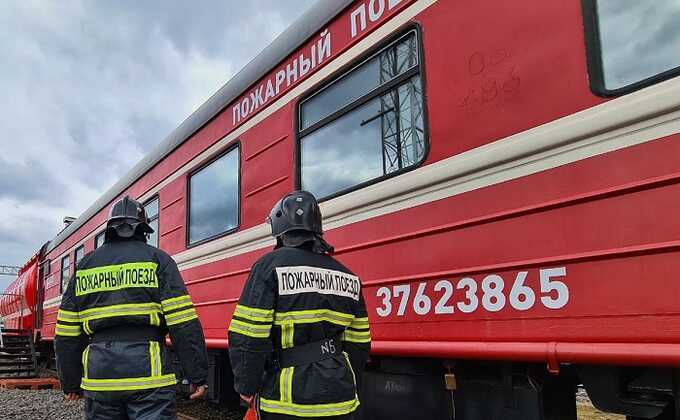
62, 286
399, 80
594, 58
235, 145
97, 236
156, 197
75, 255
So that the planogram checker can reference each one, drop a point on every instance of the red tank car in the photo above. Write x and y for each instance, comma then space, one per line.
18, 301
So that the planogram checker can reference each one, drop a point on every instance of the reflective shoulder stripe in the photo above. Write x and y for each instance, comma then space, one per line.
128, 384
309, 410
314, 315
180, 317
176, 303
254, 314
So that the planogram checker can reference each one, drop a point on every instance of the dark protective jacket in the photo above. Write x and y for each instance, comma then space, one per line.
294, 297
120, 303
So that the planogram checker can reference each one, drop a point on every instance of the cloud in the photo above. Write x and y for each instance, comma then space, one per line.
88, 88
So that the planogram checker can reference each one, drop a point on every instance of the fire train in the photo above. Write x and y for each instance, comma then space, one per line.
503, 176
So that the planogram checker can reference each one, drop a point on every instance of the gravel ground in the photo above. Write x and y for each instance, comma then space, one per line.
205, 411
46, 404
50, 405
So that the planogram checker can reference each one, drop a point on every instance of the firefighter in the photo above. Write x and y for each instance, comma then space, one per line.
299, 336
110, 335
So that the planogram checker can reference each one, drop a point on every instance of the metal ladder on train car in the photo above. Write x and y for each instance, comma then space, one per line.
18, 358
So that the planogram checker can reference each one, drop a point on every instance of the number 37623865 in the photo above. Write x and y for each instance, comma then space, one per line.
492, 294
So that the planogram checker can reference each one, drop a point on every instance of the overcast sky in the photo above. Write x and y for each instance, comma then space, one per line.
88, 87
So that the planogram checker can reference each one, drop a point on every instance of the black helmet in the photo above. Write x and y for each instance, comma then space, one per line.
298, 210
125, 216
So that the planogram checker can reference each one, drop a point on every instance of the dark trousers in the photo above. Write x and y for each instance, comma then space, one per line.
154, 404
272, 416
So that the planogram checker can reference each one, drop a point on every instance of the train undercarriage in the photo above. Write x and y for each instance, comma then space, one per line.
420, 388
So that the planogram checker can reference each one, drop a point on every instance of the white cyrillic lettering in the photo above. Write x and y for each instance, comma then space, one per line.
270, 90
245, 107
374, 14
280, 77
256, 98
236, 114
313, 56
305, 65
359, 12
291, 72
324, 45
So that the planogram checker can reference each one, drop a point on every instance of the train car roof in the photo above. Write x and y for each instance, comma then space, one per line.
302, 29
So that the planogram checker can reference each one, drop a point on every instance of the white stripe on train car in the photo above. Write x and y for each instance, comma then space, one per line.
602, 129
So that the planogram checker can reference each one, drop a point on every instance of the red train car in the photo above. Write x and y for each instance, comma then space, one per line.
18, 303
504, 177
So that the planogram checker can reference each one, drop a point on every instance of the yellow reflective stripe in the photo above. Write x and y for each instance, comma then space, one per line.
154, 319
128, 384
170, 301
287, 334
255, 327
247, 332
252, 330
128, 309
69, 327
155, 358
160, 359
177, 306
64, 332
176, 303
286, 384
187, 318
86, 353
309, 410
351, 369
116, 277
359, 323
254, 314
123, 307
314, 315
68, 316
357, 336
181, 316
86, 327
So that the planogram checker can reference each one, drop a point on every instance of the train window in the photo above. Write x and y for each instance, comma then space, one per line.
99, 239
65, 272
631, 43
214, 198
366, 124
80, 253
152, 213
